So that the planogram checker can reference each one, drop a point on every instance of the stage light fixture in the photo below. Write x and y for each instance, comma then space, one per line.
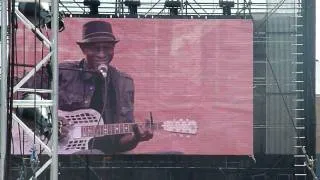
93, 6
226, 6
173, 6
132, 6
38, 15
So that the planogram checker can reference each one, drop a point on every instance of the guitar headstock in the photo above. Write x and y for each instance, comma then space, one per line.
183, 126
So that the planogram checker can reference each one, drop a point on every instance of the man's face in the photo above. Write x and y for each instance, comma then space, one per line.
98, 53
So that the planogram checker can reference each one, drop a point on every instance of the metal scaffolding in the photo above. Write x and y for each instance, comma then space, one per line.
3, 90
188, 7
288, 69
51, 150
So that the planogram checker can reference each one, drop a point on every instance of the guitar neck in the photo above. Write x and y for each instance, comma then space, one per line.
114, 129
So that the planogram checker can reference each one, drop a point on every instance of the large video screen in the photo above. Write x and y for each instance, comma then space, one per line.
156, 86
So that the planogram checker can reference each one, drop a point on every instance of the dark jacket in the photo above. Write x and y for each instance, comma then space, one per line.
77, 88
80, 88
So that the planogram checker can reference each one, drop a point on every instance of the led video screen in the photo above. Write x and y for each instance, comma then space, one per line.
156, 86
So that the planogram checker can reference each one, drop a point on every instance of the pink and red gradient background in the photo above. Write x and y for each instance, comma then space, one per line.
196, 69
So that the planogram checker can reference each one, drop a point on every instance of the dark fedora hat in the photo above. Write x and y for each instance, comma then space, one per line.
97, 31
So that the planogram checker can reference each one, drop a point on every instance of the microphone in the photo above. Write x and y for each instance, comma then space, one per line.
103, 69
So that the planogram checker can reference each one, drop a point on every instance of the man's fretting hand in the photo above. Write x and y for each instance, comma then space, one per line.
142, 133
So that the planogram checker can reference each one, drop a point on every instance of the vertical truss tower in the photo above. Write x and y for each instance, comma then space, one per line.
51, 44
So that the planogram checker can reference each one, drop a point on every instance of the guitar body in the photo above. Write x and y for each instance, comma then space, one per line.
73, 122
77, 128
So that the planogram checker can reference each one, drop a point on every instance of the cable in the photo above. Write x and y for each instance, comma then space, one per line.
188, 4
201, 8
309, 162
271, 12
283, 99
21, 141
105, 80
277, 6
24, 50
10, 82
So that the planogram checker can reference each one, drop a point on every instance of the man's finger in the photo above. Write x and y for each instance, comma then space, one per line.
136, 131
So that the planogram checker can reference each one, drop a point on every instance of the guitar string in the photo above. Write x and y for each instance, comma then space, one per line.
155, 126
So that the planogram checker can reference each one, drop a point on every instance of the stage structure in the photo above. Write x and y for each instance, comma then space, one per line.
9, 89
283, 91
3, 90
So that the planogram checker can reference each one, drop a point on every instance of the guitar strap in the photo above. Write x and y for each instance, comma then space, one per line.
111, 102
109, 114
98, 99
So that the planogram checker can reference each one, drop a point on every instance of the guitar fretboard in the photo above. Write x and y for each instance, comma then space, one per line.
113, 129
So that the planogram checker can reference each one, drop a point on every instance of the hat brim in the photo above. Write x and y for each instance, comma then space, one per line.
98, 40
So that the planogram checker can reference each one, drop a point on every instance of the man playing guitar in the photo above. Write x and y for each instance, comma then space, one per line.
92, 83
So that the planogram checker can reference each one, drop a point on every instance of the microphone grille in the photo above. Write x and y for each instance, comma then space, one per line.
103, 69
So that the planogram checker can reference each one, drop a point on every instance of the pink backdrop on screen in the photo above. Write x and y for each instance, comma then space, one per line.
200, 70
